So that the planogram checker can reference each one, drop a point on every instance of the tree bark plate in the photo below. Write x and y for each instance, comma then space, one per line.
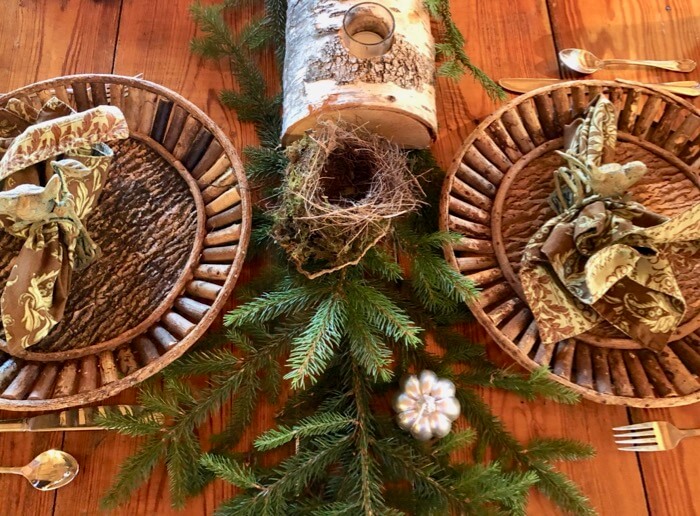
496, 193
173, 224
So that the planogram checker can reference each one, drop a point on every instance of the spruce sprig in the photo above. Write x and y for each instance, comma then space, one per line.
181, 411
455, 61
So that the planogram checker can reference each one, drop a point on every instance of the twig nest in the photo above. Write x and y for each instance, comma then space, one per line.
343, 187
427, 406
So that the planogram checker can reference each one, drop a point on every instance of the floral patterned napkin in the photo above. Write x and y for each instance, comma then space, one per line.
604, 257
45, 201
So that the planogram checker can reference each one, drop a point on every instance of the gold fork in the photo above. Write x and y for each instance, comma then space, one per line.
652, 436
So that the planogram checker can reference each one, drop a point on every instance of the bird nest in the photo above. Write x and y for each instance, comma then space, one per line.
343, 187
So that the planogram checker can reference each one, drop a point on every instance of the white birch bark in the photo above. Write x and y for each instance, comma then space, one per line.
393, 94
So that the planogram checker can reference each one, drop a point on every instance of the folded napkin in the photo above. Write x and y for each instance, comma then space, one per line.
44, 202
604, 257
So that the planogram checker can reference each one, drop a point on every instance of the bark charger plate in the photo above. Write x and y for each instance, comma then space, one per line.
495, 196
173, 224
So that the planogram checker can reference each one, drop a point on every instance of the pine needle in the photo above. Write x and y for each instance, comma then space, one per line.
134, 471
558, 449
230, 470
320, 424
315, 347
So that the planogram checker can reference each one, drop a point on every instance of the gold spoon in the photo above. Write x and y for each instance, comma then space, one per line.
584, 61
49, 470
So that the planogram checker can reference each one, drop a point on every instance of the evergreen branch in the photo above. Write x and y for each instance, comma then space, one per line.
487, 484
453, 442
271, 305
203, 362
489, 428
276, 13
425, 476
561, 490
382, 265
230, 470
451, 48
256, 34
553, 484
368, 489
435, 282
536, 385
242, 410
439, 288
252, 102
367, 348
239, 4
380, 311
184, 473
220, 389
134, 471
314, 348
180, 391
543, 386
134, 425
264, 163
298, 471
155, 402
320, 424
558, 449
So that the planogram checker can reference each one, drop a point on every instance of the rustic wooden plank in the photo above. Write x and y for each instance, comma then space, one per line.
461, 105
634, 29
671, 478
18, 449
43, 39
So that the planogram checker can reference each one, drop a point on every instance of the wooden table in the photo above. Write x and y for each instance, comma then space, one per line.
40, 39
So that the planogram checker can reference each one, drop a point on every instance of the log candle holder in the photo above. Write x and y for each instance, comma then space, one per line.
368, 30
364, 63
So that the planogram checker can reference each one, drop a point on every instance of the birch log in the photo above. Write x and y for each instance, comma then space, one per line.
393, 93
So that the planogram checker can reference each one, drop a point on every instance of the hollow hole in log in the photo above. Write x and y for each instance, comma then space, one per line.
368, 30
347, 175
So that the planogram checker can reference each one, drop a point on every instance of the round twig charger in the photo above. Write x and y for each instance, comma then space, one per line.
495, 195
173, 224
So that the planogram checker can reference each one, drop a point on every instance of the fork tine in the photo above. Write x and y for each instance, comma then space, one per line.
640, 448
650, 440
643, 433
639, 426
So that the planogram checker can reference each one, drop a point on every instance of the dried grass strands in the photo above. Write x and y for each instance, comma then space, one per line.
343, 187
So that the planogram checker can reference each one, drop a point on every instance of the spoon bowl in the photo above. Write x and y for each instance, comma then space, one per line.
580, 60
48, 471
586, 62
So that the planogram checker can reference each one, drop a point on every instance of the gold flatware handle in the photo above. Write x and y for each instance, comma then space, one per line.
683, 84
14, 425
680, 90
673, 87
518, 85
681, 65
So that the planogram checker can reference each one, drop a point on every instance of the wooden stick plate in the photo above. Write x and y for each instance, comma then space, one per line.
495, 196
173, 224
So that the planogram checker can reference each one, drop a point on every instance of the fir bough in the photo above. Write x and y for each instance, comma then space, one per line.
341, 341
450, 50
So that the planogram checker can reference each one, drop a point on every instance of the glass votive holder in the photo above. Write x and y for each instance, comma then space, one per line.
368, 30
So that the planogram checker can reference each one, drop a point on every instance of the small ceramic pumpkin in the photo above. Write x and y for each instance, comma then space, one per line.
426, 406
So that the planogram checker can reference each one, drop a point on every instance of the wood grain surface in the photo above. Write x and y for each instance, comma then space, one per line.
508, 38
